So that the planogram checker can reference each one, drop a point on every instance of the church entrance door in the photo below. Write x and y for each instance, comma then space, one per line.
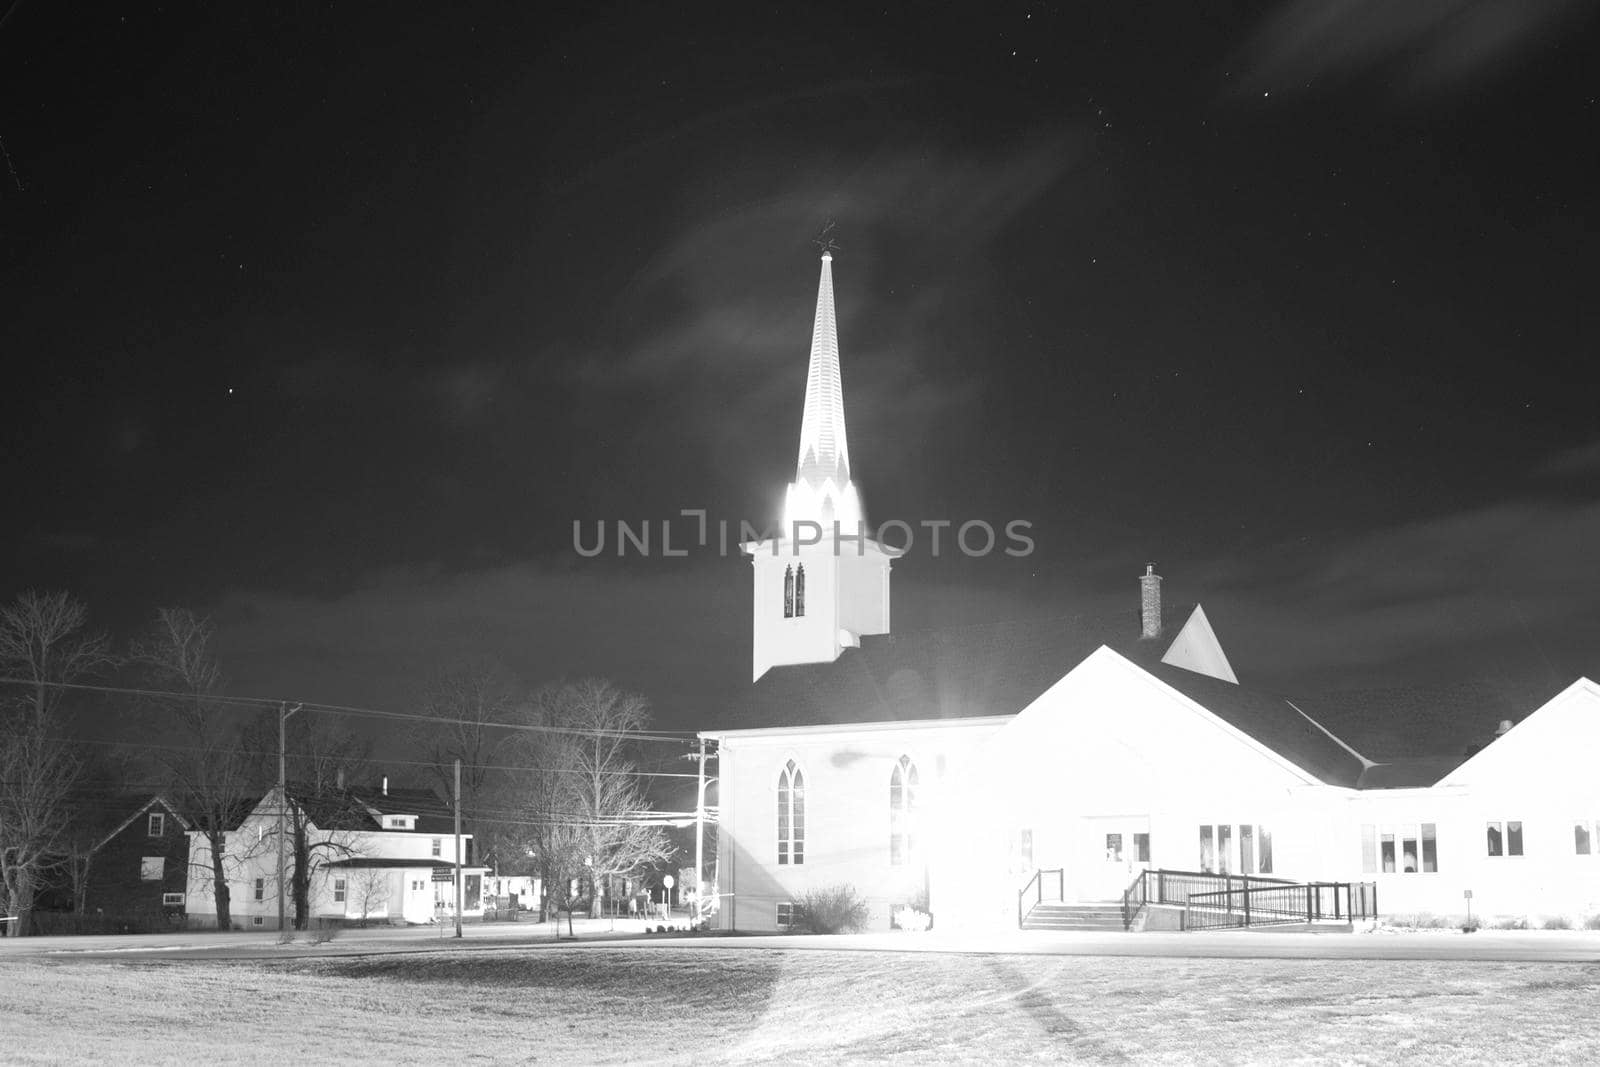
1114, 851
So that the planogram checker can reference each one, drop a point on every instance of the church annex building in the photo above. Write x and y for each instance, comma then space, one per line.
946, 769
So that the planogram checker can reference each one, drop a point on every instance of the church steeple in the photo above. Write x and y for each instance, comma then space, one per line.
822, 491
819, 589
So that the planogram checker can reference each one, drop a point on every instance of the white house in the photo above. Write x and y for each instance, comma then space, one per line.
944, 769
375, 855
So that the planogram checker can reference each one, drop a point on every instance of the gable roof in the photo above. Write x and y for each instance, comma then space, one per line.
987, 669
150, 802
1270, 719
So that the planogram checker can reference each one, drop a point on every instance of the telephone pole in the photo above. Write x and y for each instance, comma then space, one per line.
700, 840
284, 711
458, 848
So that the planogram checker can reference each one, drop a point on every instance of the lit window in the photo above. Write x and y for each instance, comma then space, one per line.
157, 826
1506, 842
788, 592
903, 788
1409, 848
791, 815
151, 868
261, 889
338, 890
800, 591
788, 915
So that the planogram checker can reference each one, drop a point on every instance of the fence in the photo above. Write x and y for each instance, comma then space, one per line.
1217, 901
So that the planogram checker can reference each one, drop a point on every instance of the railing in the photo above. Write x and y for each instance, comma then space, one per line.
1036, 883
1277, 905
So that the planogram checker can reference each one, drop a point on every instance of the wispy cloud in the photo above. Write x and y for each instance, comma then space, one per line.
1416, 48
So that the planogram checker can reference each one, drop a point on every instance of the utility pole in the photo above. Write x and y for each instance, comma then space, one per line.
284, 711
700, 840
458, 848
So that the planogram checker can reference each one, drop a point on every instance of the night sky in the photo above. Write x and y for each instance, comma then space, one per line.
331, 321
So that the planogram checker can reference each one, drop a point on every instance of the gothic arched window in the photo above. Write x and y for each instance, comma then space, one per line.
800, 591
788, 592
791, 815
903, 789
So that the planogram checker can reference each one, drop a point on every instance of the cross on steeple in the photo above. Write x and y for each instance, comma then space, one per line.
825, 241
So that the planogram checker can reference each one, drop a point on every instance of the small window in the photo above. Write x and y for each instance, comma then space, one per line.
258, 921
172, 900
788, 915
398, 823
788, 592
1113, 848
1582, 840
1141, 848
261, 889
339, 890
152, 868
157, 825
800, 591
1506, 843
437, 845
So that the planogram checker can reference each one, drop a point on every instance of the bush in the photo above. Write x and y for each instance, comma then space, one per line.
1470, 926
1511, 923
1592, 923
1558, 922
325, 930
834, 909
909, 918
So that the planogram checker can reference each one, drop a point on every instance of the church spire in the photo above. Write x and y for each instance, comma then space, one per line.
822, 491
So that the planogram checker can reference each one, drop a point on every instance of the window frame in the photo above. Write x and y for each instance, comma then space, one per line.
156, 824
791, 815
905, 787
795, 914
168, 902
788, 590
261, 889
160, 868
1499, 842
1419, 840
341, 890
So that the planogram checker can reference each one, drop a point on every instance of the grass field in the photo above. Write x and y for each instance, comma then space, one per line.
615, 1005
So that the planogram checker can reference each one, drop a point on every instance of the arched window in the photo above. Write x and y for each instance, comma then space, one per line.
791, 815
903, 788
788, 592
800, 591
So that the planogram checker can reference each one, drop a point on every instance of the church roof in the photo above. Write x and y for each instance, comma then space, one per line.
1409, 737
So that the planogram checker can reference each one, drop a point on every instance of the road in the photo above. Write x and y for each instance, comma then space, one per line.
1535, 946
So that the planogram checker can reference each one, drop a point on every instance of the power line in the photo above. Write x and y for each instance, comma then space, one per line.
671, 736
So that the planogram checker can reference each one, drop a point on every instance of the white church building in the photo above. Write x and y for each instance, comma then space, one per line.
980, 773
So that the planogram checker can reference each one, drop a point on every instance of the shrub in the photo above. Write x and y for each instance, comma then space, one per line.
1470, 926
1558, 922
1592, 923
909, 918
1511, 923
834, 909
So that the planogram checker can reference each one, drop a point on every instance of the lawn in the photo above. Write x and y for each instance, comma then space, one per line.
744, 1005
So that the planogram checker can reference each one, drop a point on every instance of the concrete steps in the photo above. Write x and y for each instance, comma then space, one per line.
1093, 915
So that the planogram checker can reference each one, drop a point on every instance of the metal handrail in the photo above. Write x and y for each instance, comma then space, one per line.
1036, 883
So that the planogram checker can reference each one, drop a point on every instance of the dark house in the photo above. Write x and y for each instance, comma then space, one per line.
138, 872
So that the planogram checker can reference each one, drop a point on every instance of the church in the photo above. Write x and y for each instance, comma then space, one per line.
973, 773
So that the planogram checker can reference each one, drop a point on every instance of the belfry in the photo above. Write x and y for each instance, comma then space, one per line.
822, 583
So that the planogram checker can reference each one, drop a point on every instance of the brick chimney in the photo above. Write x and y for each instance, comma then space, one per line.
1150, 602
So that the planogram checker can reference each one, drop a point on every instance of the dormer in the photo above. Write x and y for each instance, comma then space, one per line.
399, 822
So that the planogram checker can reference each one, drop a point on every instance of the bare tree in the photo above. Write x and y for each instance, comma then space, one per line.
43, 641
370, 887
43, 644
467, 704
323, 820
211, 775
600, 794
